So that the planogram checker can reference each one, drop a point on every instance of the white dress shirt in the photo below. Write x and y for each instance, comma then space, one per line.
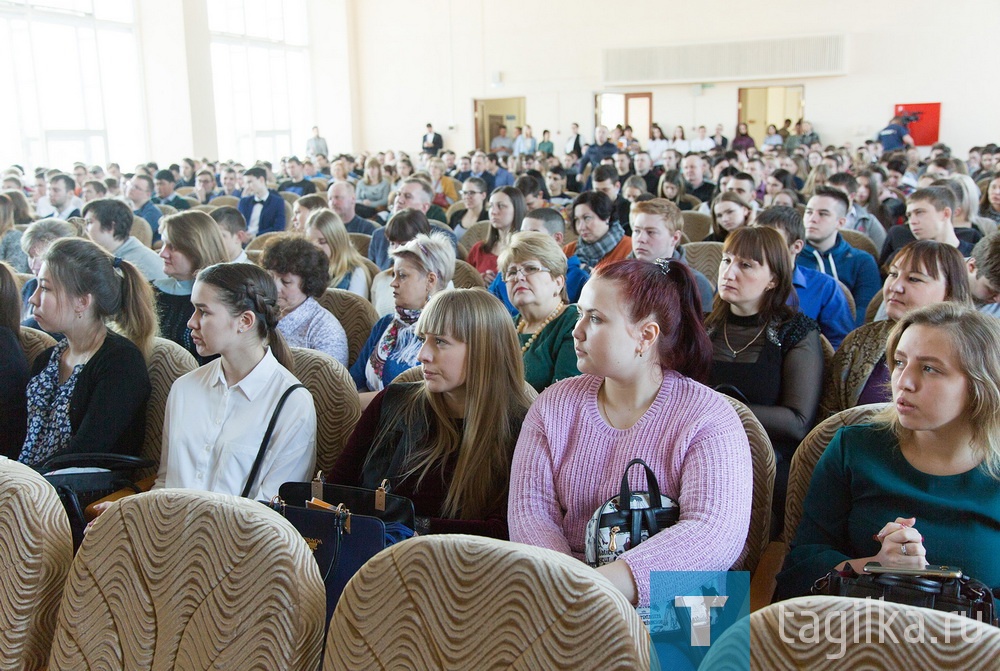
212, 432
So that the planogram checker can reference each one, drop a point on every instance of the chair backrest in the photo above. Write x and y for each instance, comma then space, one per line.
36, 549
873, 305
808, 453
691, 200
191, 580
321, 184
809, 632
34, 342
461, 252
167, 209
705, 257
254, 255
335, 396
260, 241
355, 314
289, 197
207, 209
697, 225
22, 279
828, 352
476, 233
192, 201
141, 230
762, 458
467, 277
455, 207
289, 215
859, 240
517, 606
167, 362
185, 190
849, 297
361, 242
225, 201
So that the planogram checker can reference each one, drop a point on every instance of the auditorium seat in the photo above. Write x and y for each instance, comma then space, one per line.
36, 548
191, 580
469, 602
335, 397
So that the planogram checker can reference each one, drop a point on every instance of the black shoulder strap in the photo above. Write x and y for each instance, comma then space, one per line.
267, 439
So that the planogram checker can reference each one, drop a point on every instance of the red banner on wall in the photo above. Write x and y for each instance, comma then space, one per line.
923, 130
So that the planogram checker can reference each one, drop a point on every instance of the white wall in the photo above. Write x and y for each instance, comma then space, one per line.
426, 61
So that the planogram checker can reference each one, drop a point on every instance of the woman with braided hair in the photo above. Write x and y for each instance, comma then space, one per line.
217, 415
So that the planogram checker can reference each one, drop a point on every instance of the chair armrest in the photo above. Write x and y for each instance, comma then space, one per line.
144, 485
762, 582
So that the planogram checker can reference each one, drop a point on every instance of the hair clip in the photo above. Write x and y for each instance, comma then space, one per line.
664, 265
116, 262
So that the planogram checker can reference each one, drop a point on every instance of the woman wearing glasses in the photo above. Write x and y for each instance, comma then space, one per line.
473, 195
534, 269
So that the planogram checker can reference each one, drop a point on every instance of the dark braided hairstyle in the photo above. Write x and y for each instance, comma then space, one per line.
244, 287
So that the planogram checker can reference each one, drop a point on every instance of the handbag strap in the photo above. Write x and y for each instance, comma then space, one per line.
267, 439
653, 487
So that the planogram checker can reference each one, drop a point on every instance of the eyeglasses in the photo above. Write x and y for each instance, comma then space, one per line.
525, 271
469, 193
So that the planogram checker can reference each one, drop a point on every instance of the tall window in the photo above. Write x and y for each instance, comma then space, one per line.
260, 70
72, 81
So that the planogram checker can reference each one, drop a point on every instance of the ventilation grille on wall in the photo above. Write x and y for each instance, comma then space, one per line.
822, 55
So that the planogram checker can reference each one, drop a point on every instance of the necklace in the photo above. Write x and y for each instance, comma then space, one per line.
737, 352
523, 323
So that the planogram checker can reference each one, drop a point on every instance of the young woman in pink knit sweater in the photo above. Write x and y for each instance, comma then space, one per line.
639, 343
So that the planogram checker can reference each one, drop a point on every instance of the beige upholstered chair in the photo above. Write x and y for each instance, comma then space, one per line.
697, 226
457, 206
355, 314
167, 210
826, 632
849, 297
191, 580
873, 306
321, 184
260, 242
192, 201
691, 200
361, 242
800, 473
373, 269
762, 458
185, 190
36, 549
225, 201
461, 252
207, 209
167, 362
141, 230
289, 197
477, 233
468, 602
704, 257
467, 277
22, 279
289, 214
34, 342
335, 396
859, 240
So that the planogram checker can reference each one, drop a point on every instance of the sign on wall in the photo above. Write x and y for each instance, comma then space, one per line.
923, 120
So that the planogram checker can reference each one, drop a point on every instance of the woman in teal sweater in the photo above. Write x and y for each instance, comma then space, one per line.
534, 269
919, 486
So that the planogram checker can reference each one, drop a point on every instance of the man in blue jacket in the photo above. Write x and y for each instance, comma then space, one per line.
263, 209
827, 252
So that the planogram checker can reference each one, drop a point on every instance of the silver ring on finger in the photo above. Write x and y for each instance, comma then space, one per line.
902, 548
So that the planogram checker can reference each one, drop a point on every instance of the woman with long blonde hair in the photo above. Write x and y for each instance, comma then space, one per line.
447, 442
348, 271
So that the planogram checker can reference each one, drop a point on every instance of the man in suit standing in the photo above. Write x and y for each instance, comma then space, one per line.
432, 143
573, 141
263, 208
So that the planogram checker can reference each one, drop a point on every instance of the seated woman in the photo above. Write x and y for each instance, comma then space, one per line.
473, 196
35, 242
89, 392
446, 443
602, 239
347, 268
13, 367
302, 208
639, 342
300, 274
923, 477
729, 212
403, 226
421, 268
216, 415
444, 187
534, 268
922, 273
507, 209
672, 188
10, 237
763, 352
191, 241
373, 189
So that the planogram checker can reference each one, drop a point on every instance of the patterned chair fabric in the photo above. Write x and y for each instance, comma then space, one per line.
261, 240
466, 277
361, 242
225, 201
355, 314
859, 241
335, 396
698, 226
467, 602
142, 231
167, 362
762, 457
36, 549
476, 233
191, 580
34, 342
705, 257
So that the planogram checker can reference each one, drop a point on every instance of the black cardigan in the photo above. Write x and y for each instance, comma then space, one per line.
108, 410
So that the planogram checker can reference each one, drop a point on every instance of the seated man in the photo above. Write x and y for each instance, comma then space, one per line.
94, 189
165, 194
858, 218
62, 197
297, 184
656, 234
342, 199
928, 217
605, 178
140, 192
555, 180
549, 221
818, 296
412, 193
263, 208
827, 252
204, 189
233, 228
109, 224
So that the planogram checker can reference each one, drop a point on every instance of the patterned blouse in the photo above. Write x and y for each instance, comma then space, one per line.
312, 326
48, 410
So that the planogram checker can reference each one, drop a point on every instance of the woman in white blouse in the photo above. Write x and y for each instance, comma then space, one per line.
217, 415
